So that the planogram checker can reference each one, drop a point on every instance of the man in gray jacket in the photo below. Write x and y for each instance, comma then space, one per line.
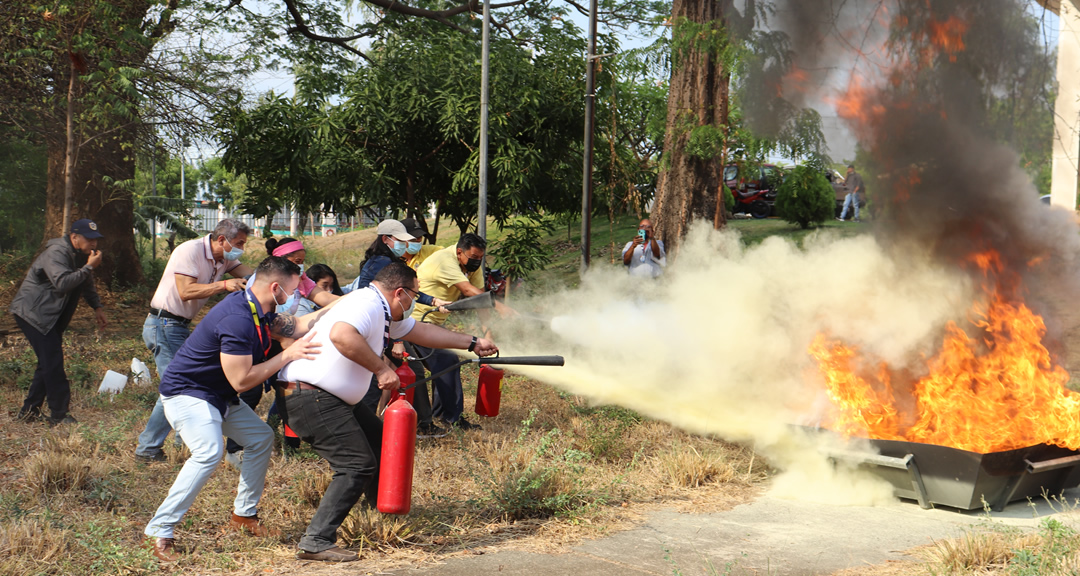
43, 307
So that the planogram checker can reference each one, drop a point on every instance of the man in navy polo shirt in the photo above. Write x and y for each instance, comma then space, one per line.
226, 355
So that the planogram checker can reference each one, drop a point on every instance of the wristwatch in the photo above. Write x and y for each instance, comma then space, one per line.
472, 345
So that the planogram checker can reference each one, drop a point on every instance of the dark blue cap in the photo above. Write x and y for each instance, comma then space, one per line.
86, 228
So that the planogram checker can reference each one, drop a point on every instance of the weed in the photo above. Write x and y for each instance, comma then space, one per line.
366, 527
58, 473
310, 486
32, 543
687, 467
108, 553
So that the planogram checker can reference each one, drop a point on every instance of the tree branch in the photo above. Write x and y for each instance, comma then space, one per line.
304, 30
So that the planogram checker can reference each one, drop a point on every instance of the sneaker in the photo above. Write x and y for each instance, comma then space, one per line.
234, 459
158, 456
64, 420
840, 220
429, 430
463, 424
334, 554
31, 415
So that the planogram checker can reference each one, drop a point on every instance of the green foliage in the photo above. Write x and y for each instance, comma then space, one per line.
22, 191
805, 197
522, 250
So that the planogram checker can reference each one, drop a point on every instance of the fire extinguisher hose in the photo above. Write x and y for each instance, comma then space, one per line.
507, 360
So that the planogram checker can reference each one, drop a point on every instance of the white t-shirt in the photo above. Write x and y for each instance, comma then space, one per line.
644, 263
364, 310
193, 258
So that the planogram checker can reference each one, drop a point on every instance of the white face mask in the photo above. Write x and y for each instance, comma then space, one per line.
407, 312
291, 303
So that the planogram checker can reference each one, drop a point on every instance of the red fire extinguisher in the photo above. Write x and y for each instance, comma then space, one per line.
407, 378
398, 452
489, 391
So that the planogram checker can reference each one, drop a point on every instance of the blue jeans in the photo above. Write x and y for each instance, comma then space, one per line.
849, 201
202, 427
164, 337
449, 400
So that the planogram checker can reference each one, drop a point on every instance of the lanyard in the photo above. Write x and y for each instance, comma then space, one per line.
386, 314
258, 326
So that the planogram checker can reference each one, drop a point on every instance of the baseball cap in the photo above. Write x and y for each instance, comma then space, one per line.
86, 228
413, 227
393, 228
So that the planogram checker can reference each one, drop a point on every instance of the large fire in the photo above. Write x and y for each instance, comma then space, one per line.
997, 390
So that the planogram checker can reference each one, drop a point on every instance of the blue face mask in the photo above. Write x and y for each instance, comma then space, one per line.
232, 253
414, 247
399, 248
301, 269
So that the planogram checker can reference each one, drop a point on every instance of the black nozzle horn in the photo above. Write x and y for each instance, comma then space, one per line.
480, 301
524, 360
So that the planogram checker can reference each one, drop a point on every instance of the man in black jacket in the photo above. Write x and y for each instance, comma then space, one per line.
43, 307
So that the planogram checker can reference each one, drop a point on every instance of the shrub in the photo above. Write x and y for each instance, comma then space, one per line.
805, 198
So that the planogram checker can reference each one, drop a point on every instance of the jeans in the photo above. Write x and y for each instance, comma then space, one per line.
50, 381
350, 439
251, 398
849, 201
164, 337
449, 401
202, 427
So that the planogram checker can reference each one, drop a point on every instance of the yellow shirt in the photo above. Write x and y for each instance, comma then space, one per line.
438, 275
419, 257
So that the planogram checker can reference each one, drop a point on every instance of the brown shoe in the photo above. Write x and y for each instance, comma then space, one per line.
334, 554
164, 549
252, 525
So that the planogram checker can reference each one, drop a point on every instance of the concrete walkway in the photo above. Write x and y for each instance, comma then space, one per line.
768, 536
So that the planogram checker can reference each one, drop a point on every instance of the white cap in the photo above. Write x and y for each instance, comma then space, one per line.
395, 229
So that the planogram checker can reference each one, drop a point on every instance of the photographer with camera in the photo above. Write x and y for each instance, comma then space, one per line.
645, 255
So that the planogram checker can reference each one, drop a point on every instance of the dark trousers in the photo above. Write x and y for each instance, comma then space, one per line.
449, 400
350, 439
50, 381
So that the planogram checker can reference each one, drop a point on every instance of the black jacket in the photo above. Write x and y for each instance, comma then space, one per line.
58, 276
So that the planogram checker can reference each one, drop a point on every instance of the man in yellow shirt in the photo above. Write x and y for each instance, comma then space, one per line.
449, 274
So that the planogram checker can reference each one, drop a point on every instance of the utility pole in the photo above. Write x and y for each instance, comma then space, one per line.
590, 117
485, 47
153, 187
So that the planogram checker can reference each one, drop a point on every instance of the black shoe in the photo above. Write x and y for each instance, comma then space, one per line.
334, 554
156, 457
66, 419
429, 430
463, 424
29, 415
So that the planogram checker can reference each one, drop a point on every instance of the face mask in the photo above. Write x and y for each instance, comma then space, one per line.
414, 247
406, 312
399, 248
473, 264
301, 269
290, 305
232, 253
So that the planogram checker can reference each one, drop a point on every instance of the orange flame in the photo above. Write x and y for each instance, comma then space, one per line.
1001, 391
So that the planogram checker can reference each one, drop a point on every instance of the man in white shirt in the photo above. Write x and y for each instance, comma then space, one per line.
322, 395
645, 256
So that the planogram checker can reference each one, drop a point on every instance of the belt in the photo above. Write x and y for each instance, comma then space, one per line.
288, 388
166, 314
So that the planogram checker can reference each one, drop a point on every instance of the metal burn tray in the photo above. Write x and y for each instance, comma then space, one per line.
940, 475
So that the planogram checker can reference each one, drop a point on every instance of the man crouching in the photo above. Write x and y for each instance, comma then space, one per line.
225, 355
323, 393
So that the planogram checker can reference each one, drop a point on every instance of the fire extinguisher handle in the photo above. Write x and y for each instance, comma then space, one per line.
524, 360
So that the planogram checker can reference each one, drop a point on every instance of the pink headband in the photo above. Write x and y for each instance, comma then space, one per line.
288, 248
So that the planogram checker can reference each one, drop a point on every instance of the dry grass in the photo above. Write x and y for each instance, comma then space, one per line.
1052, 550
549, 471
689, 468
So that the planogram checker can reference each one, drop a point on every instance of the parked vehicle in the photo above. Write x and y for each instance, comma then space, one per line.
754, 188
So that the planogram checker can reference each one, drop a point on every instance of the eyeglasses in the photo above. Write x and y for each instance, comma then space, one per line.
645, 227
412, 293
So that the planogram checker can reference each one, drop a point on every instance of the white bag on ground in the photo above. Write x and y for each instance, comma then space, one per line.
113, 382
140, 374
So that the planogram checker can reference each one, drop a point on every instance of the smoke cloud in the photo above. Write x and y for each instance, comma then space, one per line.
719, 344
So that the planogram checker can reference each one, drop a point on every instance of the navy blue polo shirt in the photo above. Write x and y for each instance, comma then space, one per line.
229, 327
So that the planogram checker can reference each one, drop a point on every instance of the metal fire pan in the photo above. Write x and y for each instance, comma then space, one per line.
956, 478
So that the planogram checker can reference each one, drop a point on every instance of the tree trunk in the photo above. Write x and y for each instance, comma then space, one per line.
111, 207
687, 185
